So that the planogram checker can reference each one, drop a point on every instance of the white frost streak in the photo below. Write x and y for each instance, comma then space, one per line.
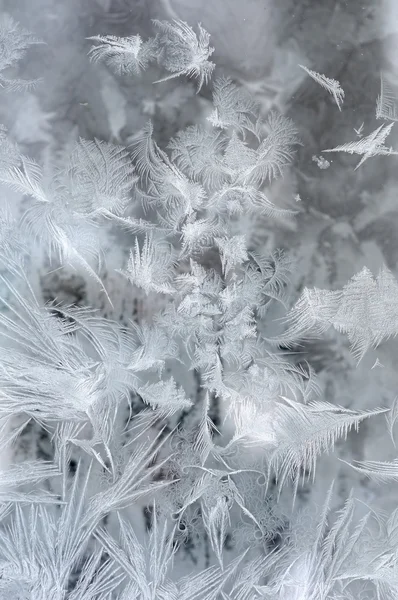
331, 85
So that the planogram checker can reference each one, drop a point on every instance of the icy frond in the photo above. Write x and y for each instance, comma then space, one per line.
153, 349
99, 177
162, 183
209, 583
27, 178
198, 153
198, 234
238, 156
161, 550
98, 580
275, 269
42, 545
10, 153
386, 106
391, 418
176, 47
14, 42
373, 559
125, 56
368, 311
217, 493
312, 314
149, 566
233, 252
365, 309
233, 107
276, 151
238, 199
302, 432
314, 563
217, 521
65, 235
62, 438
27, 473
186, 195
149, 158
368, 146
12, 243
269, 376
381, 472
135, 482
236, 331
204, 436
165, 396
130, 555
47, 376
151, 267
183, 52
330, 85
146, 566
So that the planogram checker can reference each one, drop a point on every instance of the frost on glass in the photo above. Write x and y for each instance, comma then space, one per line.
178, 444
